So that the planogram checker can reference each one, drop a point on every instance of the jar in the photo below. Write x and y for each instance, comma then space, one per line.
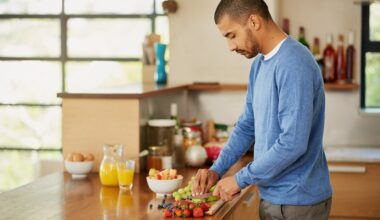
193, 130
221, 133
179, 154
159, 157
161, 132
191, 138
112, 153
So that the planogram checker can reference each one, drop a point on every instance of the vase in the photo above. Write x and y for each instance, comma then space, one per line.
160, 75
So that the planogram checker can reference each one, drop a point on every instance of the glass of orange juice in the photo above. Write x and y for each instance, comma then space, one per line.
125, 173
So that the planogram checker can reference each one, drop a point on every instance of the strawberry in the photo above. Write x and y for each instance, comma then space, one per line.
198, 212
178, 212
191, 205
187, 213
204, 206
167, 213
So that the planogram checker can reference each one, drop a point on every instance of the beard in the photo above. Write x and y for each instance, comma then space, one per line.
251, 45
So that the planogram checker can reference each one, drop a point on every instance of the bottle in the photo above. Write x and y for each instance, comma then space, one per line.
285, 25
329, 61
350, 52
316, 49
340, 62
174, 115
301, 37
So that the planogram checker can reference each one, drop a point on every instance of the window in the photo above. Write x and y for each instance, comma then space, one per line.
52, 46
370, 57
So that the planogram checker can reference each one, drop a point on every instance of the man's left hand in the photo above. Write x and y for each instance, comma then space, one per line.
226, 188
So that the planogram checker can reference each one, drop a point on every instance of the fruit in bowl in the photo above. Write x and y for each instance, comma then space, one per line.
78, 165
164, 182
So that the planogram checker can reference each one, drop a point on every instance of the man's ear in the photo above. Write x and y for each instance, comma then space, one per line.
254, 22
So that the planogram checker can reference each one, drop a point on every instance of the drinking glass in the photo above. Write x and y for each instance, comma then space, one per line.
125, 173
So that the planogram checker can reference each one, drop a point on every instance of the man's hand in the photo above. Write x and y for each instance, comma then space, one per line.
204, 180
226, 188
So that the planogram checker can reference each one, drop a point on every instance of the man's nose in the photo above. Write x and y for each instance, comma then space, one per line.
232, 46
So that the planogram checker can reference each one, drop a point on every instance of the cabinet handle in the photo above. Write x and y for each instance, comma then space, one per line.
346, 169
249, 198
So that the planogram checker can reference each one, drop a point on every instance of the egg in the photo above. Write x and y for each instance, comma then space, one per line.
78, 157
69, 157
89, 157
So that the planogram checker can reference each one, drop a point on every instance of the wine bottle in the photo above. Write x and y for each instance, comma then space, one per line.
329, 74
301, 37
350, 52
340, 62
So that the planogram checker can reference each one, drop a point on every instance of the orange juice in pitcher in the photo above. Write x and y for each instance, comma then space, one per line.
108, 167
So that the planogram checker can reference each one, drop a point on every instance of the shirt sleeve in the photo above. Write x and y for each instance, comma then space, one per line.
295, 113
242, 137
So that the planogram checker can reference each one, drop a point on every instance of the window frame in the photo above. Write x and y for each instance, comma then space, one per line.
63, 57
366, 46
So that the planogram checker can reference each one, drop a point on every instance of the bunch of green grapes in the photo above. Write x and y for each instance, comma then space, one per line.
184, 193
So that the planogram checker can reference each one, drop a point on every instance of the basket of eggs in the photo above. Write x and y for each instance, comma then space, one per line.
79, 165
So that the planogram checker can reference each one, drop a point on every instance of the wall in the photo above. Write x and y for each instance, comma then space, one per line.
199, 53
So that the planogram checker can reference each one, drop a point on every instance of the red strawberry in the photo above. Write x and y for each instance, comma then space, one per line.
191, 206
205, 206
178, 212
198, 212
187, 213
167, 213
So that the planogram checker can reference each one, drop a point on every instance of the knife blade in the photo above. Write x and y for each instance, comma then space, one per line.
203, 196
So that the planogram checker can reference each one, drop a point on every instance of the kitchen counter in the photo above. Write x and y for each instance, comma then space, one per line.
353, 154
58, 196
138, 91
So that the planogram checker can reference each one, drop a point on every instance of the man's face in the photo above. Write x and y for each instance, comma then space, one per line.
239, 35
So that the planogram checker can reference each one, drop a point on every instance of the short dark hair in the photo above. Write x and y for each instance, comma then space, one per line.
241, 9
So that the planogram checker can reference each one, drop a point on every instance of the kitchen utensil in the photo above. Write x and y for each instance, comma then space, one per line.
202, 196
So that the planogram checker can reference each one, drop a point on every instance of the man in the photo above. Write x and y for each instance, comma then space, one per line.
283, 116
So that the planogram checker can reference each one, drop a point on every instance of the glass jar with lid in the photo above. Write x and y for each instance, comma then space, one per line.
159, 157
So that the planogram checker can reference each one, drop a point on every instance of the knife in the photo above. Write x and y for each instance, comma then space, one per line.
203, 196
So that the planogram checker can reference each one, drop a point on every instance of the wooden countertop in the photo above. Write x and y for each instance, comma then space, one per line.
137, 91
58, 196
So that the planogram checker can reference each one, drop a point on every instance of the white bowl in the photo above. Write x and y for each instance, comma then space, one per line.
164, 187
79, 170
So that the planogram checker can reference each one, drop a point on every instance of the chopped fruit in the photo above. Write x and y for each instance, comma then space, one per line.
168, 174
172, 172
178, 212
198, 212
187, 213
167, 213
204, 206
191, 205
152, 172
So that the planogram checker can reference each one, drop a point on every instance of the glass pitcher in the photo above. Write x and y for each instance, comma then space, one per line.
112, 153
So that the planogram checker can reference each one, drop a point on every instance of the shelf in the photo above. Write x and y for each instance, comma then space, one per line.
217, 86
342, 87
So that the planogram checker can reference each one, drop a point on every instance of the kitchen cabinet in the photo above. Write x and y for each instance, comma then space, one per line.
247, 207
119, 115
356, 190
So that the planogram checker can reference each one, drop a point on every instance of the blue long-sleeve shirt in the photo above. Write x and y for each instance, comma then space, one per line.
284, 118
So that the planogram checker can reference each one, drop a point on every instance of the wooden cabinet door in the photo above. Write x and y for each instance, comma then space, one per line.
356, 189
248, 207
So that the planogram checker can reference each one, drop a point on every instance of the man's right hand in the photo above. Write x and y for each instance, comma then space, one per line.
204, 180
